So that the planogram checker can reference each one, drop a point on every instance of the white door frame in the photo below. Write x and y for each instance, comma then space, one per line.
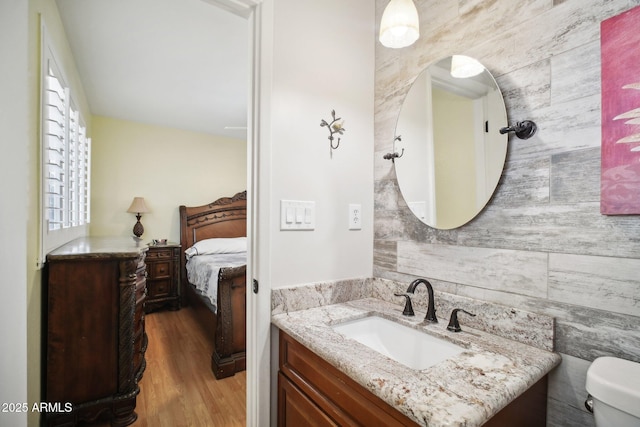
258, 230
260, 19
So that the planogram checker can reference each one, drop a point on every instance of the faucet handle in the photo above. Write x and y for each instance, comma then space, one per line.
454, 325
408, 307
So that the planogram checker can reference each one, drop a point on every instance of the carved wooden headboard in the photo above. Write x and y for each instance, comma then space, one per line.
225, 217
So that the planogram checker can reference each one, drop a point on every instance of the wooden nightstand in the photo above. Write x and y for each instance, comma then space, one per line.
163, 277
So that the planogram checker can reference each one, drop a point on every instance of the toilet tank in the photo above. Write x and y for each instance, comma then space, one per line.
614, 385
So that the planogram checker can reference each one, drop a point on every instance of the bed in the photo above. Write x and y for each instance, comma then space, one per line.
223, 320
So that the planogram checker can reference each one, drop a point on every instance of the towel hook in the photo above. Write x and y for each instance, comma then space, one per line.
335, 126
393, 156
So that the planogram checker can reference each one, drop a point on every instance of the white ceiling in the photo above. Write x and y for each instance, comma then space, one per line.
175, 63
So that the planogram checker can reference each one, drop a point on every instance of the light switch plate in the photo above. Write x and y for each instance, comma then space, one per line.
297, 215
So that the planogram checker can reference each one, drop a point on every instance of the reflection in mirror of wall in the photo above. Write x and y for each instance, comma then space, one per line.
454, 152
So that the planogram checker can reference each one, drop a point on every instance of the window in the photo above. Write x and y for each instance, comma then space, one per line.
66, 154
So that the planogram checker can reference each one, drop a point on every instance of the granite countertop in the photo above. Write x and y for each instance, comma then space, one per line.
465, 390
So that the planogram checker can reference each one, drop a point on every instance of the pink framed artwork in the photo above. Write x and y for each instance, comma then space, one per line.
620, 169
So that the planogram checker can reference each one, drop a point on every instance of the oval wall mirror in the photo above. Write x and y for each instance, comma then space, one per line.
448, 133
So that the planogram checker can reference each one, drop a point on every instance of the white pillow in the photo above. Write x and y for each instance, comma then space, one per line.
220, 245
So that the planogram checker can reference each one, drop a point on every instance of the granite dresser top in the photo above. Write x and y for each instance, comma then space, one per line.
465, 390
98, 247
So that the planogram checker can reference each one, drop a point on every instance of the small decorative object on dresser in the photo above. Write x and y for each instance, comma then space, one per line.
163, 276
138, 207
94, 291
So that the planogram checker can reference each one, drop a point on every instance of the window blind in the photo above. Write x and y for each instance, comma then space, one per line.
55, 98
66, 158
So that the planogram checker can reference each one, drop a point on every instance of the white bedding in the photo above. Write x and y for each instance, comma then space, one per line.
203, 270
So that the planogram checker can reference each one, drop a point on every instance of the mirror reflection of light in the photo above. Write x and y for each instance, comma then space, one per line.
463, 67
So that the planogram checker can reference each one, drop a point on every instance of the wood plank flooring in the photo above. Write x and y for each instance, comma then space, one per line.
178, 387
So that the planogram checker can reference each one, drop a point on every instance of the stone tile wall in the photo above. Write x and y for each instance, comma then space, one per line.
541, 244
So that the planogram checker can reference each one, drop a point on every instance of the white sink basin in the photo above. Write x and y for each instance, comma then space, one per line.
403, 344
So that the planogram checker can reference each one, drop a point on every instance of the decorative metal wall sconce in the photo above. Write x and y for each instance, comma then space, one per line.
524, 130
393, 156
335, 126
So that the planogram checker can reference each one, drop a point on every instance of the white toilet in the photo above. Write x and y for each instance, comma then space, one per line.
614, 385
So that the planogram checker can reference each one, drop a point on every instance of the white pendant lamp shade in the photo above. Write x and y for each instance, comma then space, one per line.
463, 67
400, 26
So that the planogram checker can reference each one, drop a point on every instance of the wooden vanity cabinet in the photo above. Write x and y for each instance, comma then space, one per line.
527, 410
94, 293
313, 392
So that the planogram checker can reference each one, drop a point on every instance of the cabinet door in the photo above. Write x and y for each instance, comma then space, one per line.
339, 396
296, 409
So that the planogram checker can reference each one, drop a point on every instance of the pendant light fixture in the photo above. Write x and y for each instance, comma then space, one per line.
400, 26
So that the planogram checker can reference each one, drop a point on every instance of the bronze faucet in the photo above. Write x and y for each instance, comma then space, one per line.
431, 309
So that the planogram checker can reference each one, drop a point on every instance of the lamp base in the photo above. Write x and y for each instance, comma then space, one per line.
138, 229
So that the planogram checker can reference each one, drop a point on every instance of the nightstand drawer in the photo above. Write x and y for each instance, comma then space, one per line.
160, 270
159, 254
159, 288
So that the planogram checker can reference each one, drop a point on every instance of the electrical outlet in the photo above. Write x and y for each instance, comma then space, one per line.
355, 216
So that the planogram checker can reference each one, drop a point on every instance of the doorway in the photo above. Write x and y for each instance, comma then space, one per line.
73, 9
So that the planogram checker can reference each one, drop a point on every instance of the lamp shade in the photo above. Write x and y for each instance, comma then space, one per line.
463, 67
400, 25
138, 206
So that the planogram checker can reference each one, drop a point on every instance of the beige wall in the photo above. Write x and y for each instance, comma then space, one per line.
168, 167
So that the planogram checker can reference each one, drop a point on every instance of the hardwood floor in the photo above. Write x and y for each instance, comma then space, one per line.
178, 387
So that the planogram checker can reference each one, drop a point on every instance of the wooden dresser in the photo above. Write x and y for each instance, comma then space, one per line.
94, 294
163, 280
